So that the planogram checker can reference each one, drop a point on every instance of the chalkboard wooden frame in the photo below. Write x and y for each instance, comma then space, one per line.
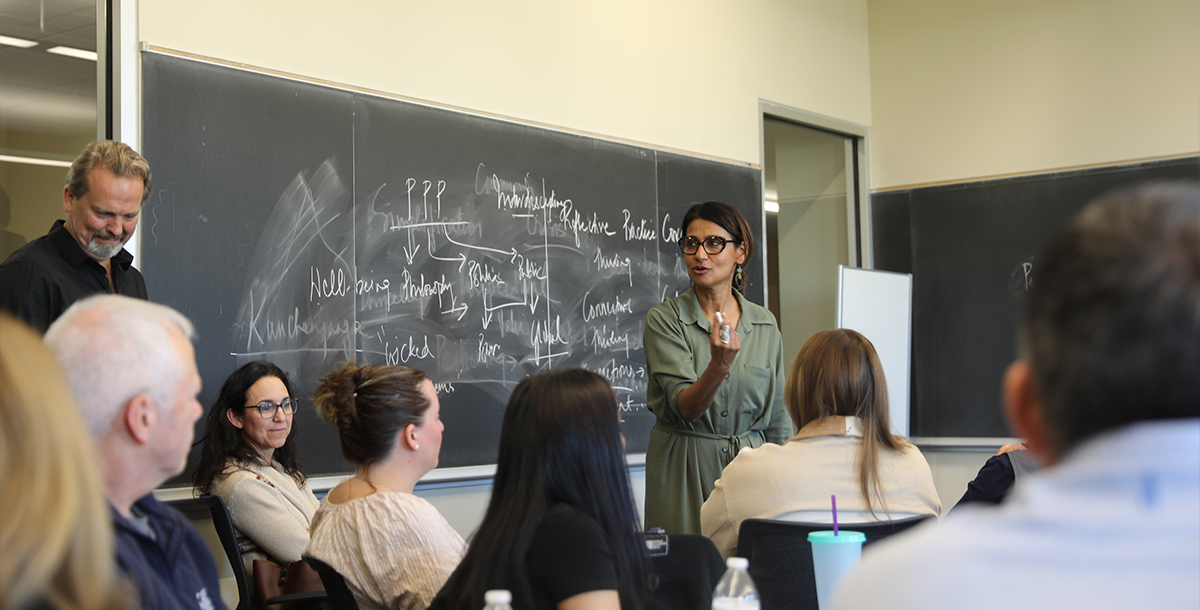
253, 167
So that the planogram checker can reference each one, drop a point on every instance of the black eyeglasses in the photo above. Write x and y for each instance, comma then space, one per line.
267, 409
712, 244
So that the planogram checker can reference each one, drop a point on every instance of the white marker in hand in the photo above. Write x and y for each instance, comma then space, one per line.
724, 328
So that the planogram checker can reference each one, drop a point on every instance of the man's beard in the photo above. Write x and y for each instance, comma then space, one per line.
104, 251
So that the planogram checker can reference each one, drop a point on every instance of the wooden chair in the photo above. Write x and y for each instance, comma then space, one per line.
781, 561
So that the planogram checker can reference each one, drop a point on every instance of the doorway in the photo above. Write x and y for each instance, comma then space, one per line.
814, 186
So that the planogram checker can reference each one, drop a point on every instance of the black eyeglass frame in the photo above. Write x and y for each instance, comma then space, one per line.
268, 409
688, 240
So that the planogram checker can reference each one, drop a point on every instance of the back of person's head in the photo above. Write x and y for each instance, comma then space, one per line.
838, 373
116, 157
369, 406
560, 442
563, 429
113, 348
224, 441
55, 530
1111, 326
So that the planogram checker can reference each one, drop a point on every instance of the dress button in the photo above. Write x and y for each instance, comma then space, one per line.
724, 413
724, 449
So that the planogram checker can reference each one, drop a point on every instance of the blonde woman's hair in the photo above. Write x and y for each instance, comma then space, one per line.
837, 372
56, 541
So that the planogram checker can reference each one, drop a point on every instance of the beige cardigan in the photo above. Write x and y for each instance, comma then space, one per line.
799, 476
270, 512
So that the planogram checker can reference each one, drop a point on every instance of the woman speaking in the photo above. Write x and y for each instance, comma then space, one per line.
716, 371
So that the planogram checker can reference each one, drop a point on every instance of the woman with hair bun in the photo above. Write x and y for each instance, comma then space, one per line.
393, 548
837, 396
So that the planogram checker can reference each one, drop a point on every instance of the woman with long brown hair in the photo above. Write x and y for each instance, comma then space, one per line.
837, 396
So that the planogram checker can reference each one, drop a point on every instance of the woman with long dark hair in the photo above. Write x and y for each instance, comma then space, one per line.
716, 371
837, 396
250, 460
561, 530
393, 548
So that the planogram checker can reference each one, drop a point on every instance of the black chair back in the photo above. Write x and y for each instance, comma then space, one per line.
781, 561
340, 597
686, 576
223, 523
228, 536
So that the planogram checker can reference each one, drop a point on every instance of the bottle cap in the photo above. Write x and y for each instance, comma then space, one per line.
737, 563
497, 597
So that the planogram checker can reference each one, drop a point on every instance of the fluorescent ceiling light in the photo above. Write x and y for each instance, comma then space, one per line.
17, 42
771, 206
73, 52
34, 161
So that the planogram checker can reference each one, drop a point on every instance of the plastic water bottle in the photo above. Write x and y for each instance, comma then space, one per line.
497, 599
736, 589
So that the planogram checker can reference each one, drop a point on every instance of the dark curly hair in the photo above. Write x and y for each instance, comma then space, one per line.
222, 441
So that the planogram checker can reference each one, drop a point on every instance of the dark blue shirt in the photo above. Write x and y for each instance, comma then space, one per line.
174, 570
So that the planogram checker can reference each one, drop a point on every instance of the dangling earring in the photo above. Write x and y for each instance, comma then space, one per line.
739, 280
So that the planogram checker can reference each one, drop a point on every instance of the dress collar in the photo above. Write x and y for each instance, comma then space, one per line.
836, 425
752, 314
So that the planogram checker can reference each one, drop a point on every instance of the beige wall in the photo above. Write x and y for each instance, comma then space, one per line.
36, 191
962, 90
682, 74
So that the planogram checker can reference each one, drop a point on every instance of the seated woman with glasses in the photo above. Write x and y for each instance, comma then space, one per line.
250, 460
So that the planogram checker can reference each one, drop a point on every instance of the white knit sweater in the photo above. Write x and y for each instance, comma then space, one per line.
270, 512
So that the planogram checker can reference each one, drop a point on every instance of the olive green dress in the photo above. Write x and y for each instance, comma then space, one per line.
684, 459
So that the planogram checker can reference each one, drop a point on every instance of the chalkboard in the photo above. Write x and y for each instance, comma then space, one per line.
308, 225
970, 248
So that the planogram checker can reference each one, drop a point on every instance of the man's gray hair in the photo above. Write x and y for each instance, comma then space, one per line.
113, 348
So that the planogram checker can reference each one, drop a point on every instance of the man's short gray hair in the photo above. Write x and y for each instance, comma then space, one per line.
113, 348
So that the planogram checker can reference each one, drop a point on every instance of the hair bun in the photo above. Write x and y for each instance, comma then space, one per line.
336, 395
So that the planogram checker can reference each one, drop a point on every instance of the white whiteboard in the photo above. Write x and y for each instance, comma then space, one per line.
878, 304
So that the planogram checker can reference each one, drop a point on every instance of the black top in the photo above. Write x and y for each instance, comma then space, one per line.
44, 277
569, 555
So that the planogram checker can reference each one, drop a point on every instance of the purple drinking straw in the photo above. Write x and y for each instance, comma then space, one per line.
833, 501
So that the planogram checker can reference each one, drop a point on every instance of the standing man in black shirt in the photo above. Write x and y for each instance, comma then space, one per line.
84, 255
